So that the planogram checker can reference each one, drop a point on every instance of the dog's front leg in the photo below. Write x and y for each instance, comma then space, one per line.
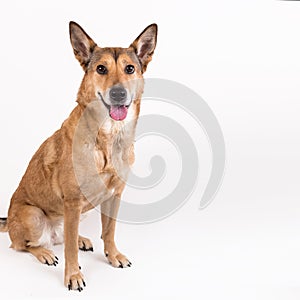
109, 211
73, 276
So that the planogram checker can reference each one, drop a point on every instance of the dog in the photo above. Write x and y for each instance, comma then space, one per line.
87, 161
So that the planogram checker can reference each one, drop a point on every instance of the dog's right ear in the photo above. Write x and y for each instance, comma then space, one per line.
82, 44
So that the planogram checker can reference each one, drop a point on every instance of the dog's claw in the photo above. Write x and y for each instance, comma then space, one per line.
79, 287
121, 266
56, 257
69, 286
83, 283
86, 249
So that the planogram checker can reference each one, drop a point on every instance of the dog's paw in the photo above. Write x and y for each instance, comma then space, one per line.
118, 260
45, 256
75, 282
85, 244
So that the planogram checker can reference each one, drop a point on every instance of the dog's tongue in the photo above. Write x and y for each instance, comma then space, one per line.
118, 113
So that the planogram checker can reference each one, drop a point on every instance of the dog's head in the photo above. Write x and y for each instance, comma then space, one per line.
113, 76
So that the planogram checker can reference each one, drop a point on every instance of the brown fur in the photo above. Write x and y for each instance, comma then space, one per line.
49, 193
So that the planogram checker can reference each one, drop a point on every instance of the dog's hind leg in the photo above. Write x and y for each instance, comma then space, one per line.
29, 231
44, 255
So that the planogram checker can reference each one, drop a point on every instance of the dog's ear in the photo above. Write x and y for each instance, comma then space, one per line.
144, 45
82, 44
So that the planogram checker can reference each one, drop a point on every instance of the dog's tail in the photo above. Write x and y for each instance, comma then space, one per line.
3, 225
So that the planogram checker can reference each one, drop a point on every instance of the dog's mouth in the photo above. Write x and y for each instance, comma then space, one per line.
117, 112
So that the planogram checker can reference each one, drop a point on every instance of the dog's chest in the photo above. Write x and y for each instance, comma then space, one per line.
111, 164
108, 168
114, 149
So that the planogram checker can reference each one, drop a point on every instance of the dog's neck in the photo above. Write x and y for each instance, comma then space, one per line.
92, 125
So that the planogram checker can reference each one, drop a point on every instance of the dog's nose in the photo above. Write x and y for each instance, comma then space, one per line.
118, 94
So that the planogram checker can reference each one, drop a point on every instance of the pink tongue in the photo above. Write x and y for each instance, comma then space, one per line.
118, 113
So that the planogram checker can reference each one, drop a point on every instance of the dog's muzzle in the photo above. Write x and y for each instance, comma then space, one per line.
118, 107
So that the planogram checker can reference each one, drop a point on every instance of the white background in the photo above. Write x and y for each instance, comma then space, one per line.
242, 57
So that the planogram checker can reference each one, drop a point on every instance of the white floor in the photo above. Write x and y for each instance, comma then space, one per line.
211, 254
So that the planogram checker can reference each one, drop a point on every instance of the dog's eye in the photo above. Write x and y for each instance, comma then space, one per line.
129, 69
101, 70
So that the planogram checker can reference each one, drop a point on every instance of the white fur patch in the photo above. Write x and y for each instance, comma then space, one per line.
53, 233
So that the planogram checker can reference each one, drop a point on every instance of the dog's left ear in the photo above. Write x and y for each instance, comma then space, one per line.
82, 44
144, 45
